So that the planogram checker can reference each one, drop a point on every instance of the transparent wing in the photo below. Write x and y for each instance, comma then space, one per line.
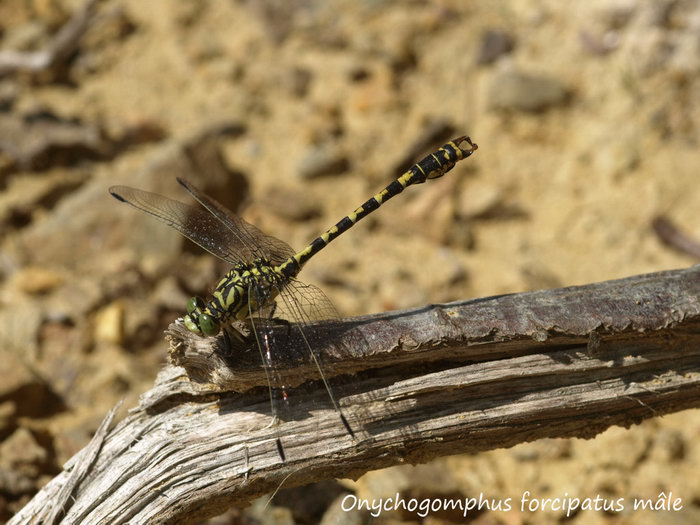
304, 305
194, 223
273, 344
299, 302
288, 334
256, 242
216, 230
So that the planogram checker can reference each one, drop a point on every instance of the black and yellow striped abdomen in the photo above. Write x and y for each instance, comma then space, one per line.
433, 166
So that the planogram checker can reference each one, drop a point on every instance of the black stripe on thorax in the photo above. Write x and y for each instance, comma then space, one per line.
215, 308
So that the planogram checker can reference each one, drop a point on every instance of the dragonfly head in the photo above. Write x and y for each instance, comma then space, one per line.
198, 321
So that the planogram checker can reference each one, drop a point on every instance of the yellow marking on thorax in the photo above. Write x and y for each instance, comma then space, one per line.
230, 298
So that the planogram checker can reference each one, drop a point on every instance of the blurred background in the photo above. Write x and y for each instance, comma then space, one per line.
292, 113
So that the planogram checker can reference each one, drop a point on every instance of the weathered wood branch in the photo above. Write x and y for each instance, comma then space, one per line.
443, 379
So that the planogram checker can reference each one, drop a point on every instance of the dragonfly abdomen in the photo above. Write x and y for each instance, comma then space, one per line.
433, 166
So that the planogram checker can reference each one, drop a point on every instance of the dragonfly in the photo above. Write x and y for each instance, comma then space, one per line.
262, 288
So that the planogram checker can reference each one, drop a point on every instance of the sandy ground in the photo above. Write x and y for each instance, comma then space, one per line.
586, 117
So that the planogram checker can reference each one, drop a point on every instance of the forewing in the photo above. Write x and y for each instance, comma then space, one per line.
254, 241
195, 224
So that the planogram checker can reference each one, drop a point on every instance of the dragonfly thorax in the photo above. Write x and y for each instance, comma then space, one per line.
244, 290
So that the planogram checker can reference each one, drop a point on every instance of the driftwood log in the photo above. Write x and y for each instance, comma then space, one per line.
443, 379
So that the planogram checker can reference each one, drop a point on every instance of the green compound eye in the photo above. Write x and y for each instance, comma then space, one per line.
195, 303
208, 325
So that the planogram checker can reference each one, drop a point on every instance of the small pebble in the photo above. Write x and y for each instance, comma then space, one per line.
321, 161
494, 44
109, 323
525, 92
36, 280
